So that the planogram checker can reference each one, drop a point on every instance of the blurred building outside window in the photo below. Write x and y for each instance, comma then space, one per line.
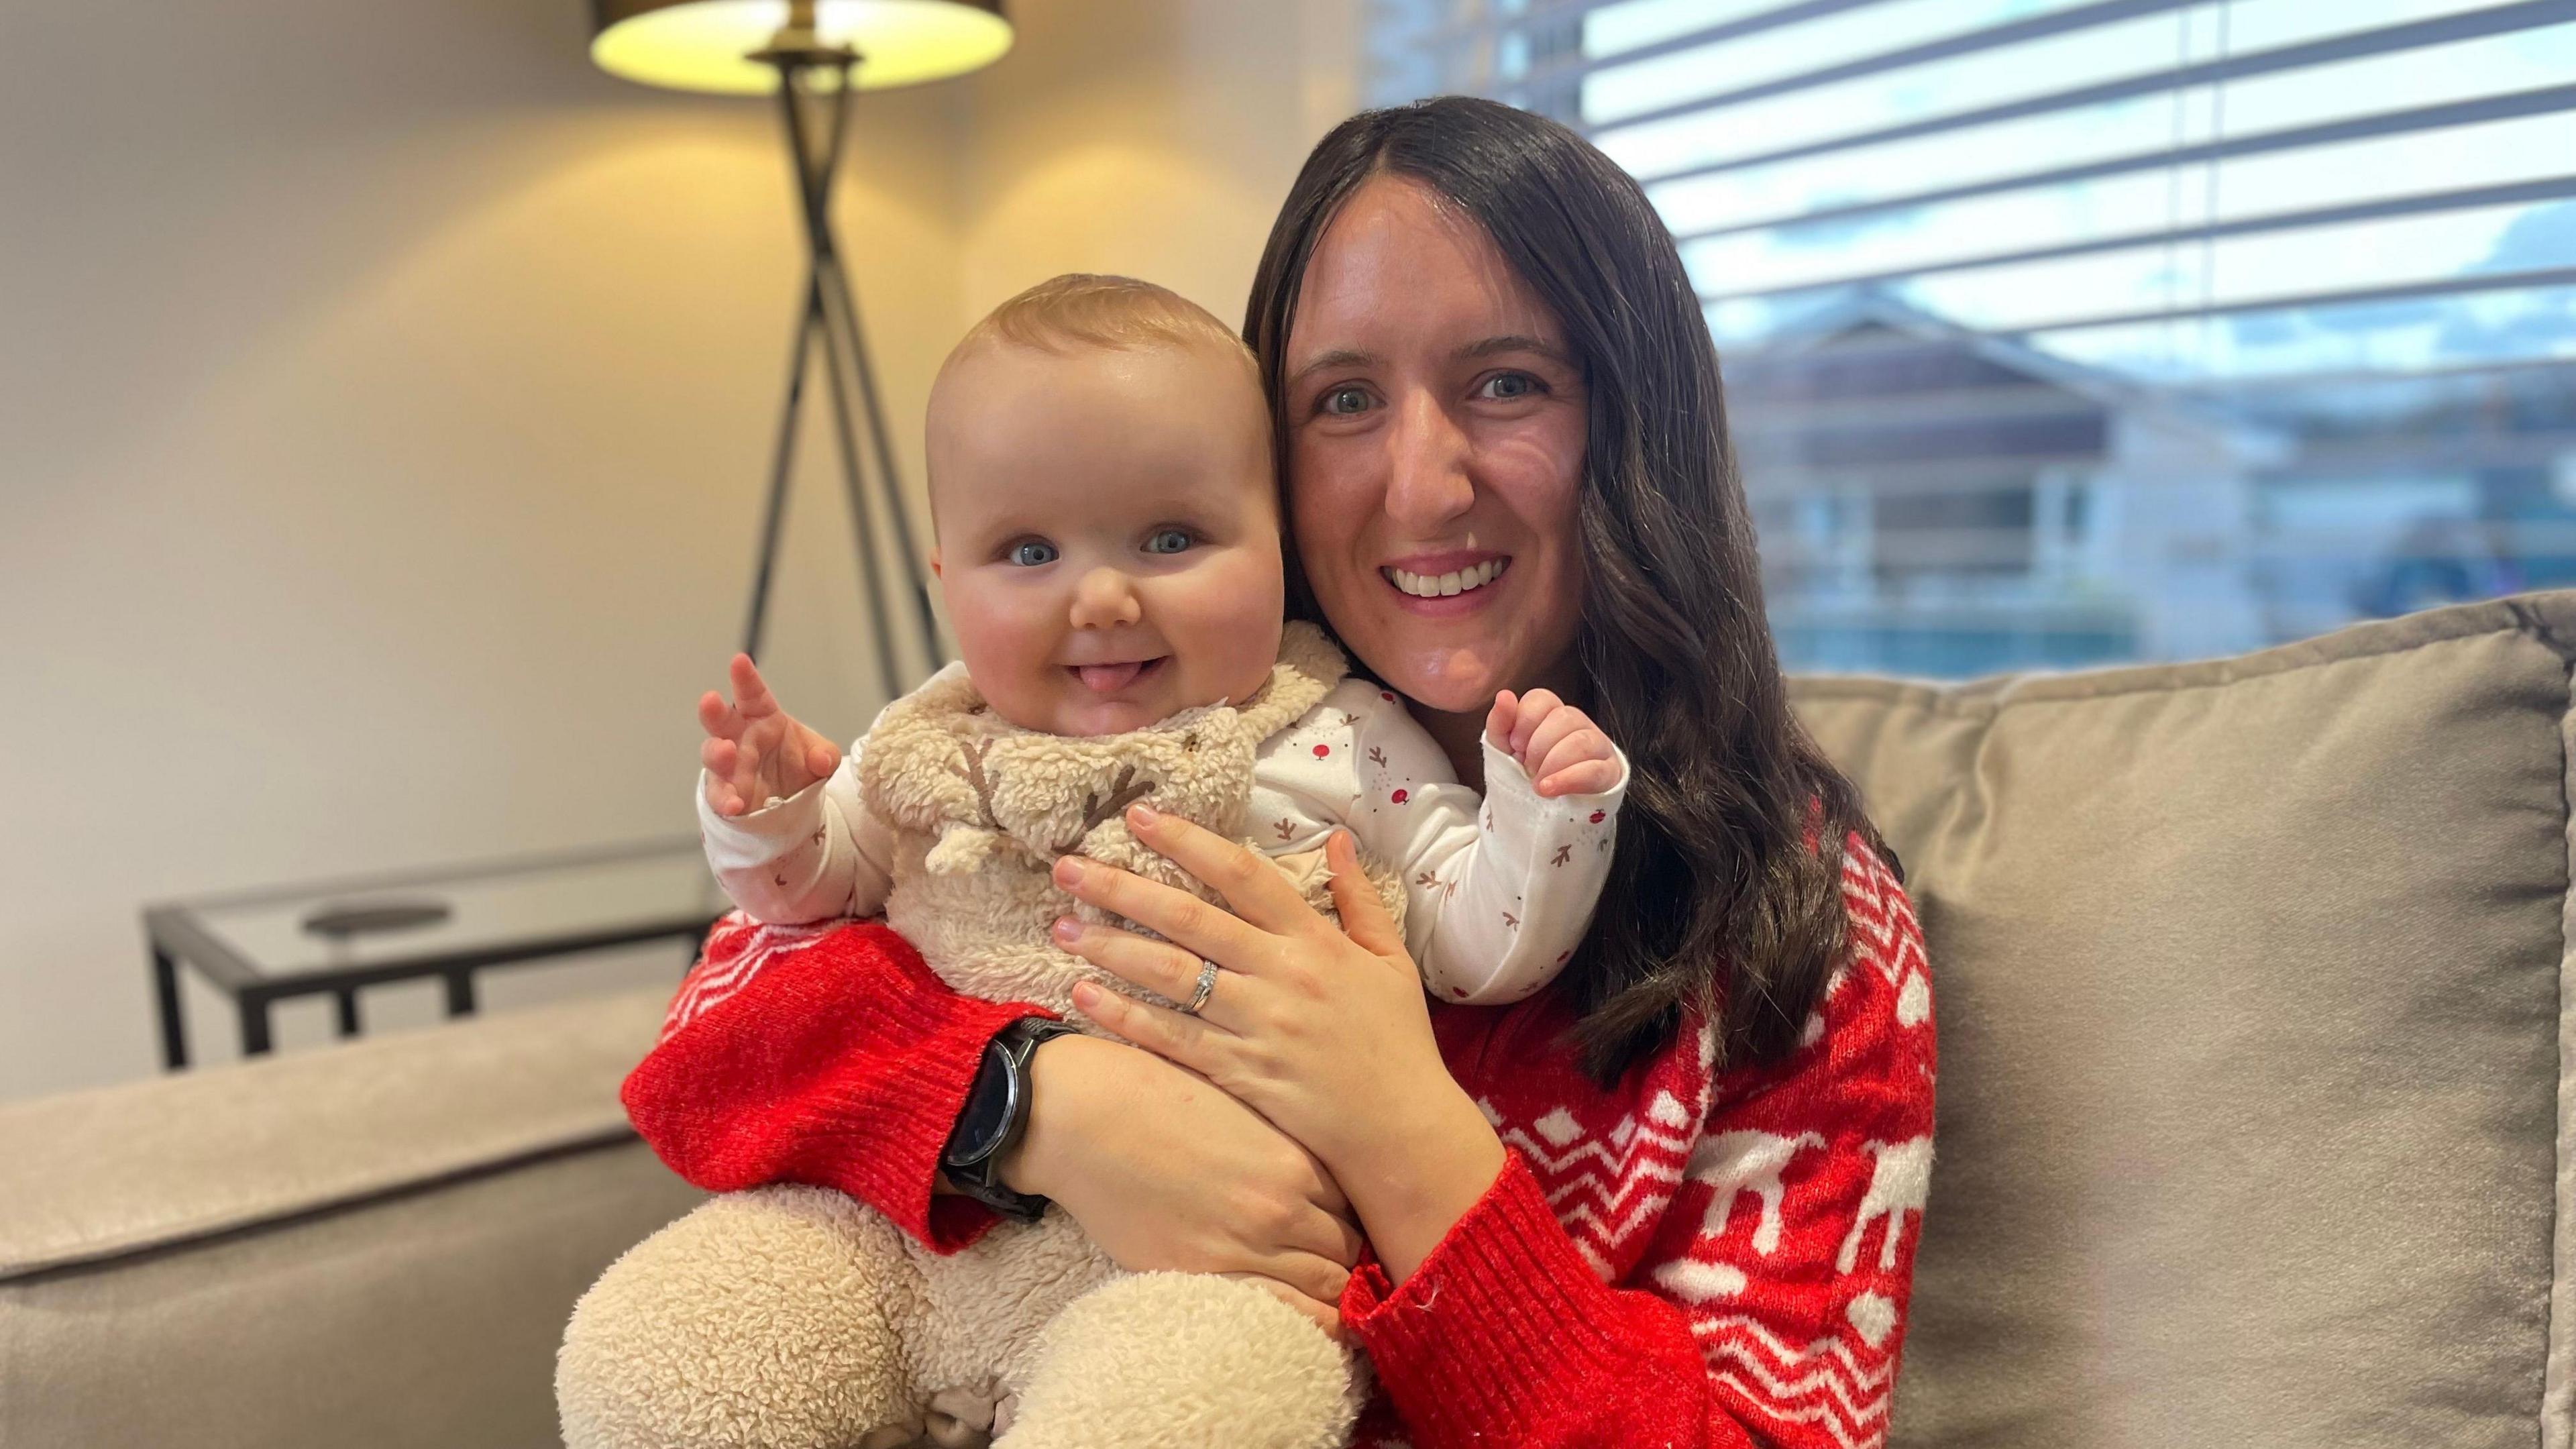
2066, 332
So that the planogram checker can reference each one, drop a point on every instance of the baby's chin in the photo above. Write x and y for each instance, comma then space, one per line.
1072, 710
1113, 717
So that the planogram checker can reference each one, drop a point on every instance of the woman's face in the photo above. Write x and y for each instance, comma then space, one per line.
1436, 422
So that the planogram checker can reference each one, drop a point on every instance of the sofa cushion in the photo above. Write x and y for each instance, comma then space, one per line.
2250, 978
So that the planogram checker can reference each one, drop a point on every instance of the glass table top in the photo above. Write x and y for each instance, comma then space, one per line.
336, 925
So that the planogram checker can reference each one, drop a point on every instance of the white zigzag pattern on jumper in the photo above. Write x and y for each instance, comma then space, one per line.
1880, 927
1820, 1380
1624, 1190
1863, 1394
1870, 1375
705, 989
1866, 1411
1813, 1413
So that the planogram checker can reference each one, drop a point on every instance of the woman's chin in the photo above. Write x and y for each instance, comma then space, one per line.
1453, 679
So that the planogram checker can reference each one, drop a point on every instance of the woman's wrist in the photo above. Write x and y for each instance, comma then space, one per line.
1055, 1091
1414, 1178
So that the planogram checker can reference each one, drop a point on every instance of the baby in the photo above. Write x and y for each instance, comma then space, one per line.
1108, 544
1108, 548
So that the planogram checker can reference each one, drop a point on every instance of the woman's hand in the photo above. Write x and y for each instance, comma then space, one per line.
1166, 1172
1327, 1034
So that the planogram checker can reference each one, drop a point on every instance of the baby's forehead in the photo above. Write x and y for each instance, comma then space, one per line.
1019, 428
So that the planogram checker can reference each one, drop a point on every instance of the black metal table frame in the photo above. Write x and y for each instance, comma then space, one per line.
176, 938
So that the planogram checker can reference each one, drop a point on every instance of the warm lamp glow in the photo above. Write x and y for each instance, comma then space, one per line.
705, 45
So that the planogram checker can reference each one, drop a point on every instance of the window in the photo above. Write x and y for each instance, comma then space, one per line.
2061, 332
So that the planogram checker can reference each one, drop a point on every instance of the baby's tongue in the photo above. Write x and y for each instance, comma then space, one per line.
1110, 678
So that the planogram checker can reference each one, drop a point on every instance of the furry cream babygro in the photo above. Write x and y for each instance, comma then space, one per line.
863, 1337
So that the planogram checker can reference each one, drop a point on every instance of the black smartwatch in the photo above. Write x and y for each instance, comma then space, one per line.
996, 1113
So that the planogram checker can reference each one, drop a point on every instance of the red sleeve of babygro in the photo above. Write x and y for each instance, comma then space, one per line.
826, 1054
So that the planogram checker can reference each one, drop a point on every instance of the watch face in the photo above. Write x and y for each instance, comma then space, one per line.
979, 1127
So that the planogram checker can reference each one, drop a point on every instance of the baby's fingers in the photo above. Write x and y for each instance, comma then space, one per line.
719, 719
1588, 778
1582, 763
717, 756
1498, 720
821, 758
1537, 707
1562, 722
751, 693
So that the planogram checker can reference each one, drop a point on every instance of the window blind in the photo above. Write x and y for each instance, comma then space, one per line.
2066, 331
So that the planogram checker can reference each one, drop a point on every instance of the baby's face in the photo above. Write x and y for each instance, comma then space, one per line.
1108, 533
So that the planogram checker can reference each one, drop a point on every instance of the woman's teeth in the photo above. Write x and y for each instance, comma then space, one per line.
1437, 586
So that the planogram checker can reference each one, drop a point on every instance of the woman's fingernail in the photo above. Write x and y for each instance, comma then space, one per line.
1087, 996
1141, 813
1067, 929
1068, 871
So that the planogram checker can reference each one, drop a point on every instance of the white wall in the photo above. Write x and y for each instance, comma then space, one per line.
385, 399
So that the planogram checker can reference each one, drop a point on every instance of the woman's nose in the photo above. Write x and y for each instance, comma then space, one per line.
1104, 599
1427, 478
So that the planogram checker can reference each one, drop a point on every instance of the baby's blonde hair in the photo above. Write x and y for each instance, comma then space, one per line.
1087, 309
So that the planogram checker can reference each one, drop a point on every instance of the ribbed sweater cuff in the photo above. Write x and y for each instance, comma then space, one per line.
887, 1149
1500, 1325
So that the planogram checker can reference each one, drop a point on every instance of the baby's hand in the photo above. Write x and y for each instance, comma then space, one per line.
1564, 752
754, 749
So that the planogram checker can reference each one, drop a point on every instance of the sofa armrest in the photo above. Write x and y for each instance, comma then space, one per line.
376, 1242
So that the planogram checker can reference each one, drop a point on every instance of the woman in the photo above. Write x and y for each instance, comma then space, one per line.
1480, 343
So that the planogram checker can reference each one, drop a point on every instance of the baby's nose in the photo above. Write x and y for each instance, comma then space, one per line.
1104, 599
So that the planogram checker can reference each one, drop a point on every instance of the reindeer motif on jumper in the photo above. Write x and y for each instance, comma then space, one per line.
1899, 1182
1737, 1163
1734, 1164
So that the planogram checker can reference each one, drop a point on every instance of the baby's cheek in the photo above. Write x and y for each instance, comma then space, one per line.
1010, 655
1234, 627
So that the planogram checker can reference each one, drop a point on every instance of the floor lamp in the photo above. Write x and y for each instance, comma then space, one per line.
812, 54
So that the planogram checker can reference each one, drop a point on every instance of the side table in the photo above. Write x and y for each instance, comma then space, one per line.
337, 938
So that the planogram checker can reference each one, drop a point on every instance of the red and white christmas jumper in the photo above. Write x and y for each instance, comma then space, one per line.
1691, 1258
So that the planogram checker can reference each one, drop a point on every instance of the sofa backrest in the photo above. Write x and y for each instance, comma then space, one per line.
2253, 1030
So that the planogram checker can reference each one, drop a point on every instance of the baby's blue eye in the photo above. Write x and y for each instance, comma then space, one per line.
1032, 553
1168, 540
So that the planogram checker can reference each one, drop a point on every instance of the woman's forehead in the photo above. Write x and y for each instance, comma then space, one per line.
1402, 267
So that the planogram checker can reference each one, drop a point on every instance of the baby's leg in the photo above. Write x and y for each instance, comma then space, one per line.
771, 1319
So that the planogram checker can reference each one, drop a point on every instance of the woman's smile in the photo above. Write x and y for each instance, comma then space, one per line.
1442, 585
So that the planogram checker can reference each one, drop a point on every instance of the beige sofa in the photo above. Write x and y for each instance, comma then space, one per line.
2253, 1102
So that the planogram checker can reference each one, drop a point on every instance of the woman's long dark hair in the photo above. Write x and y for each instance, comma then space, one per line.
1716, 897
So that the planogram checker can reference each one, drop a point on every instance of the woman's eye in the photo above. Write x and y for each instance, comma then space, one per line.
1344, 401
1168, 540
1507, 386
1032, 553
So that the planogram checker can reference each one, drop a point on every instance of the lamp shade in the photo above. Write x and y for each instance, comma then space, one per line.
706, 45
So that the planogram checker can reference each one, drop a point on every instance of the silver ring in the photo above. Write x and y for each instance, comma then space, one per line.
1207, 983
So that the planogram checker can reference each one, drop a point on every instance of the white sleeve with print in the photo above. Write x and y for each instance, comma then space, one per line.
811, 856
1498, 891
